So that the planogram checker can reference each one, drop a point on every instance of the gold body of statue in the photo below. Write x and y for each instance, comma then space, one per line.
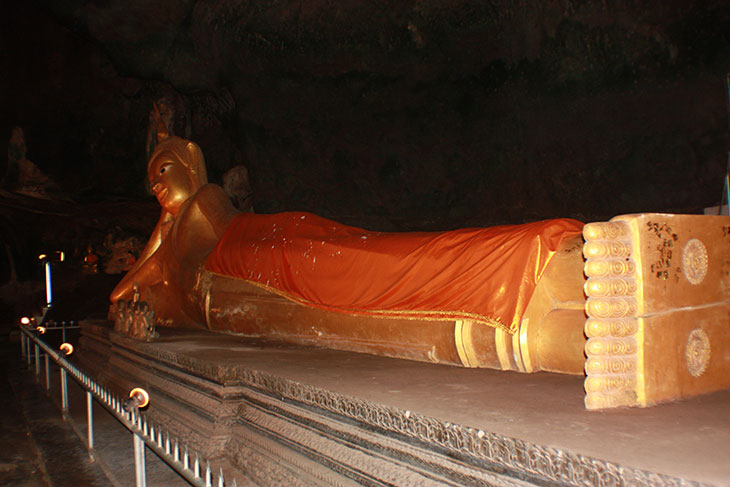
170, 278
194, 216
658, 290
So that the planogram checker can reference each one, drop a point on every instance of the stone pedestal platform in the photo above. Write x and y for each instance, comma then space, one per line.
277, 414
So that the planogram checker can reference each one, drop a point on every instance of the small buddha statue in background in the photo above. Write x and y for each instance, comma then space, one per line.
90, 263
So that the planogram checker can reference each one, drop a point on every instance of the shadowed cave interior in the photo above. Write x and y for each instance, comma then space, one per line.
393, 116
405, 116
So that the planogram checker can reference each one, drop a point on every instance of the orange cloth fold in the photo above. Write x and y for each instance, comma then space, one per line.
483, 274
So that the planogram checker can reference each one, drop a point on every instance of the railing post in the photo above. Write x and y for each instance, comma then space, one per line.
48, 379
22, 343
64, 391
27, 355
139, 467
90, 419
37, 362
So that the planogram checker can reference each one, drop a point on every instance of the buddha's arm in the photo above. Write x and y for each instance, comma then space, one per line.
145, 271
198, 228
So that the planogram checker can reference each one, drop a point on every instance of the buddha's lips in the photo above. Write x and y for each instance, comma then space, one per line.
161, 194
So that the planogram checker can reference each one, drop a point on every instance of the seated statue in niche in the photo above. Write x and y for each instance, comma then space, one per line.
508, 297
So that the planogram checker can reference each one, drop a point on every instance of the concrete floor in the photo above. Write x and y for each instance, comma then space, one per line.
37, 447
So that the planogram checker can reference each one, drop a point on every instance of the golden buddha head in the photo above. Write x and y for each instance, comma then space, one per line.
176, 172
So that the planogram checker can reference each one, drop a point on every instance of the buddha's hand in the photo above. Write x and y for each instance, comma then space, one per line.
123, 291
137, 281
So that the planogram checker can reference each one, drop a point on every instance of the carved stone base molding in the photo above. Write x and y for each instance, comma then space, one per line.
276, 414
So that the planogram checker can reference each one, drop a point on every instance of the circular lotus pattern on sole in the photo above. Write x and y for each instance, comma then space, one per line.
694, 261
697, 353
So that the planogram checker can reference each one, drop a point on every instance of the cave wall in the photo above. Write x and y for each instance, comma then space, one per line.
393, 114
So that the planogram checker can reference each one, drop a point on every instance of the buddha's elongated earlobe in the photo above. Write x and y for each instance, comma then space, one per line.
196, 162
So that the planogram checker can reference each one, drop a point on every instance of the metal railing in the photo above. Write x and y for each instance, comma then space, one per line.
169, 448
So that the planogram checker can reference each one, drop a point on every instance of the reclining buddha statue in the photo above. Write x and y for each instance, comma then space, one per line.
508, 297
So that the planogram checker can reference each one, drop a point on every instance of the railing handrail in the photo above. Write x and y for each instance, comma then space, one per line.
175, 454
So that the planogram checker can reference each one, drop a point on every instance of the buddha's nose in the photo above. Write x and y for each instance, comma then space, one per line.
155, 187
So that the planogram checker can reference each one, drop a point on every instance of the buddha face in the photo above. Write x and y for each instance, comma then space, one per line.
170, 181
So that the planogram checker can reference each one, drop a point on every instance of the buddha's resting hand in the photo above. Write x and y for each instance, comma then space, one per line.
139, 279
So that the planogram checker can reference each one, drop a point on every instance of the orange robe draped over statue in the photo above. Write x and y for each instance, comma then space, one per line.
483, 274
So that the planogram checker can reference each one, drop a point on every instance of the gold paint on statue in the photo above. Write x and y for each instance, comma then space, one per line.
194, 216
500, 337
524, 346
517, 352
464, 343
611, 366
641, 314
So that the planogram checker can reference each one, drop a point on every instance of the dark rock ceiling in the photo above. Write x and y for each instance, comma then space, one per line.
392, 114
